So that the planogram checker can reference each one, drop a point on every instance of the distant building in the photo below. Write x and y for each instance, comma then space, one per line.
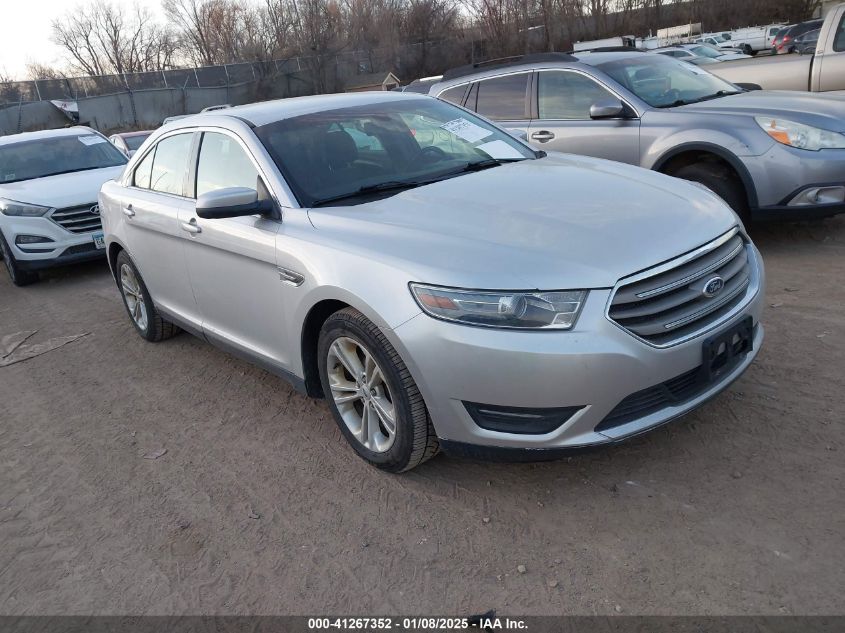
372, 81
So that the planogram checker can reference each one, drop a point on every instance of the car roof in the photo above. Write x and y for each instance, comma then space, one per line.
131, 134
78, 130
258, 114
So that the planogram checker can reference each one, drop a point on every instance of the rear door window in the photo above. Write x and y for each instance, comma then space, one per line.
839, 38
503, 98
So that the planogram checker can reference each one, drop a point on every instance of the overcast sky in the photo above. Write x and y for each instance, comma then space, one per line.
25, 30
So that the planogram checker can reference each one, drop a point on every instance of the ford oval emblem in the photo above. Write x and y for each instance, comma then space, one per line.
713, 287
95, 210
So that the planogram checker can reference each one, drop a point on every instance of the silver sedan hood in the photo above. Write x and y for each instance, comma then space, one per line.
555, 223
826, 111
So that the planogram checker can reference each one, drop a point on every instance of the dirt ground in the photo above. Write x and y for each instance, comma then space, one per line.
259, 507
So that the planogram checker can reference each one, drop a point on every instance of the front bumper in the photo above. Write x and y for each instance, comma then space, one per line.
595, 367
65, 247
784, 172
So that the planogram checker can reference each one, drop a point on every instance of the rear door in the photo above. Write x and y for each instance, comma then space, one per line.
151, 206
232, 261
564, 124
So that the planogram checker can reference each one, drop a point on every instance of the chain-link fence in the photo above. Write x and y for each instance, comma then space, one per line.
75, 88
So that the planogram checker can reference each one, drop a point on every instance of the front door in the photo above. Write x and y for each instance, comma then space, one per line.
232, 261
564, 98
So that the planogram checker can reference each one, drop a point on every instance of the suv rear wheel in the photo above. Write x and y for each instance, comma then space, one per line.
19, 277
373, 398
146, 319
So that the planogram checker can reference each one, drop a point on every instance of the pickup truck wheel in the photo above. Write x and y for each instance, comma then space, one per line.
136, 298
373, 397
720, 180
19, 277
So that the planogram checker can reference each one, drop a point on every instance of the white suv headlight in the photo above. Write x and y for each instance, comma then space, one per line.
10, 207
554, 310
800, 135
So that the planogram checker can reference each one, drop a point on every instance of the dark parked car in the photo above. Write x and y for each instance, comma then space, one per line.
785, 43
806, 43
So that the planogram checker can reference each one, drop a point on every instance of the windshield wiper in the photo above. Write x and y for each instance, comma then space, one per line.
715, 95
390, 185
402, 185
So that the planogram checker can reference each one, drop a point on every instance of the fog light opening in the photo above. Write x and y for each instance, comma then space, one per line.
819, 195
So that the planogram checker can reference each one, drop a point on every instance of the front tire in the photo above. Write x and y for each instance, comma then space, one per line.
371, 393
721, 181
18, 276
147, 320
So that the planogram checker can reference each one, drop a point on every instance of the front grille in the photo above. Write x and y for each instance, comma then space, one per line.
666, 306
78, 219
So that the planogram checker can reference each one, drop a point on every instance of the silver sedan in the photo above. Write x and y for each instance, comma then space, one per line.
440, 282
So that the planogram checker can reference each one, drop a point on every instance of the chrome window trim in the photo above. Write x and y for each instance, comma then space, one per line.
753, 284
580, 71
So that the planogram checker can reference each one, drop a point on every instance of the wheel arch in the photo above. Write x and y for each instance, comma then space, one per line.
689, 153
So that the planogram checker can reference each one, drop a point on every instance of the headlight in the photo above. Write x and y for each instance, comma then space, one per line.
555, 310
800, 135
10, 207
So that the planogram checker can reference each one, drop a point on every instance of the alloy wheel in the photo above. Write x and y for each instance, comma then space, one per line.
361, 394
131, 288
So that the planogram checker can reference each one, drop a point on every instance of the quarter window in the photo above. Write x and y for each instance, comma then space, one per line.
223, 163
503, 97
144, 171
170, 164
454, 95
568, 95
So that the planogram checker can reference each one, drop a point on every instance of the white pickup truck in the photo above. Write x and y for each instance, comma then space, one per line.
821, 72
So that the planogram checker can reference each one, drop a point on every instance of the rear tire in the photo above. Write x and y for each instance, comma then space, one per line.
18, 276
720, 180
388, 426
139, 305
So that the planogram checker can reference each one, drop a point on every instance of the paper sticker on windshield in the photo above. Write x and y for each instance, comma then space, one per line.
466, 130
91, 139
499, 150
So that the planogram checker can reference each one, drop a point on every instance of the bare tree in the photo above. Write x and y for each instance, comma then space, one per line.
103, 38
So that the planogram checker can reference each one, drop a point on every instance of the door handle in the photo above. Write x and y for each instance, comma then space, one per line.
128, 211
542, 136
191, 227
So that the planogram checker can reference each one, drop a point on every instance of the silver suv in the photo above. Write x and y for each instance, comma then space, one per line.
438, 281
770, 155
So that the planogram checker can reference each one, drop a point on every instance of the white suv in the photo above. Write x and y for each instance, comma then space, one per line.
49, 183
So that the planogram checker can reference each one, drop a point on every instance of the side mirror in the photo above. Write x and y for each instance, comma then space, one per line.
231, 202
607, 109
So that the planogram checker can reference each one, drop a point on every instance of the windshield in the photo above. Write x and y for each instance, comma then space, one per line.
355, 152
707, 50
664, 82
57, 155
134, 142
